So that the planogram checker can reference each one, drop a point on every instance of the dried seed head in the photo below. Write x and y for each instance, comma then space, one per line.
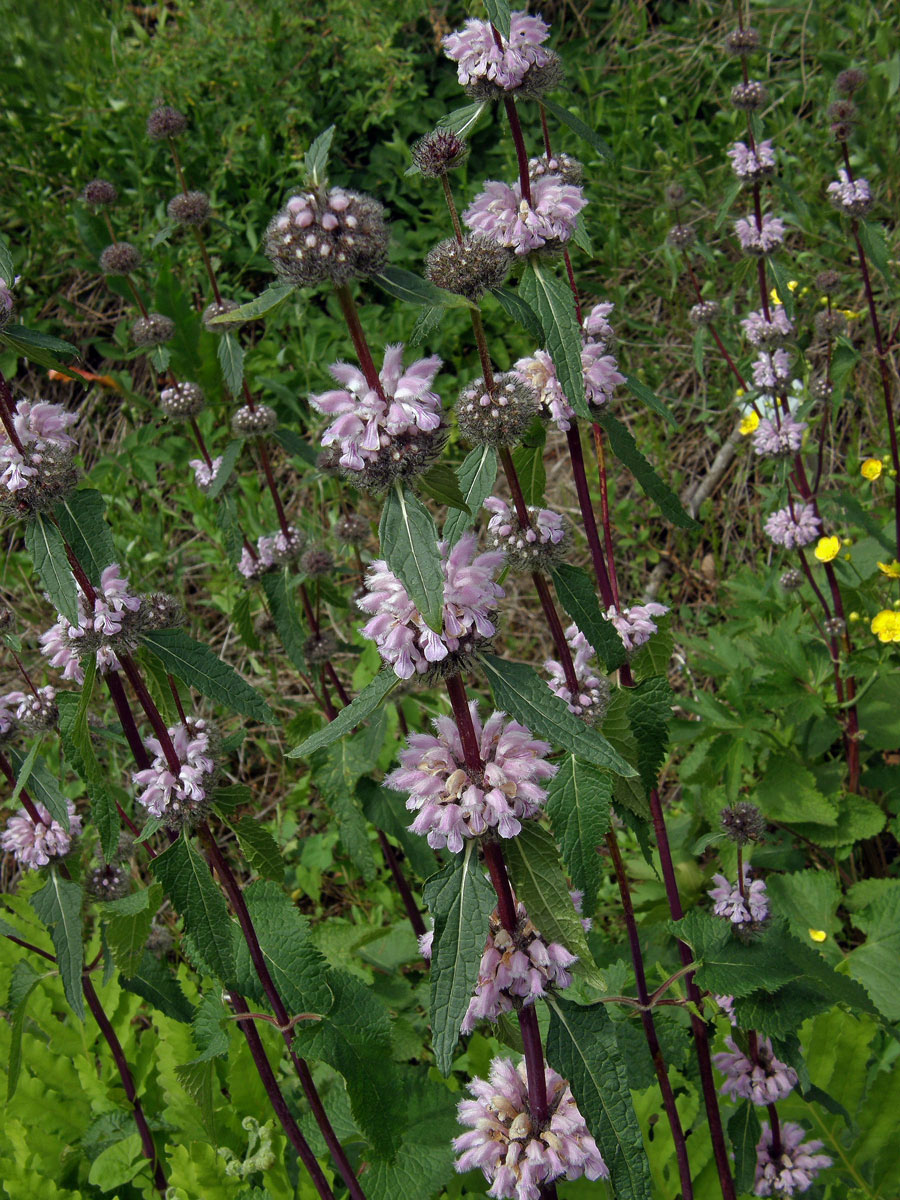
317, 562
152, 330
121, 258
675, 195
827, 281
320, 648
835, 626
439, 152
743, 823
217, 310
850, 81
165, 122
681, 236
830, 324
468, 268
742, 42
705, 312
749, 96
568, 168
821, 388
791, 579
254, 422
544, 77
189, 208
161, 611
334, 235
109, 882
844, 117
499, 417
352, 530
181, 400
409, 454
100, 193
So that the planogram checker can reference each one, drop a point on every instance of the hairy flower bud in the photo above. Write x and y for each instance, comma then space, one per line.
827, 281
317, 562
320, 648
742, 42
705, 312
821, 388
535, 547
499, 417
108, 882
286, 547
100, 193
567, 167
543, 78
165, 122
217, 309
835, 626
830, 324
35, 712
159, 610
743, 822
439, 152
121, 258
152, 330
791, 579
180, 401
675, 195
335, 235
749, 96
468, 268
353, 529
681, 236
254, 422
189, 208
850, 81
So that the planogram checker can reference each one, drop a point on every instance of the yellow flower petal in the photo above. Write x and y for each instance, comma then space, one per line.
818, 935
891, 569
827, 549
871, 468
886, 626
750, 423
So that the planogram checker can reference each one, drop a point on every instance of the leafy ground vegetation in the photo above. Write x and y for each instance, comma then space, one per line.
642, 938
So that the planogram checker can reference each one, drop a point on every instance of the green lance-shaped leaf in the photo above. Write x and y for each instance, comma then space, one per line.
461, 901
875, 246
581, 237
48, 553
649, 713
552, 300
626, 450
531, 471
79, 751
260, 848
7, 270
58, 905
154, 982
409, 543
578, 597
442, 485
231, 360
582, 1047
41, 348
186, 880
82, 522
730, 966
463, 120
197, 666
744, 1133
348, 718
275, 294
520, 311
23, 773
477, 476
22, 983
336, 771
279, 589
498, 15
520, 691
578, 802
577, 126
128, 927
230, 456
42, 786
540, 883
413, 289
647, 396
315, 161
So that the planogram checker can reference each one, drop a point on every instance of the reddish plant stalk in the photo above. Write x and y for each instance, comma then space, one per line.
357, 334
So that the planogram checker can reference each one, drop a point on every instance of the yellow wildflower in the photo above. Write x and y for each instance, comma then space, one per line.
886, 626
871, 469
818, 935
750, 423
792, 286
827, 549
891, 569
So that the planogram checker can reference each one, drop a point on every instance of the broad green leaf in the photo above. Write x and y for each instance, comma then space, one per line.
274, 295
498, 15
520, 691
729, 966
649, 713
442, 485
21, 342
58, 905
22, 983
280, 589
554, 304
413, 289
48, 553
520, 311
626, 450
787, 792
744, 1132
424, 1163
82, 522
348, 718
647, 396
463, 120
230, 455
198, 1080
540, 883
578, 597
79, 751
260, 848
876, 965
461, 901
409, 543
336, 771
197, 666
37, 340
617, 731
577, 126
476, 482
315, 161
809, 900
23, 774
231, 360
127, 929
875, 246
118, 1164
532, 474
156, 983
187, 881
578, 802
582, 1047
42, 786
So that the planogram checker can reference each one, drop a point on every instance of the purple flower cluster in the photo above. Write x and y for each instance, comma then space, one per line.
479, 59
500, 213
772, 369
515, 1156
792, 1170
104, 627
635, 625
516, 969
452, 804
762, 1082
204, 473
593, 689
334, 235
752, 166
759, 240
793, 529
526, 549
7, 301
764, 331
41, 428
752, 906
778, 439
367, 423
35, 711
401, 633
852, 196
172, 796
34, 844
600, 369
272, 549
